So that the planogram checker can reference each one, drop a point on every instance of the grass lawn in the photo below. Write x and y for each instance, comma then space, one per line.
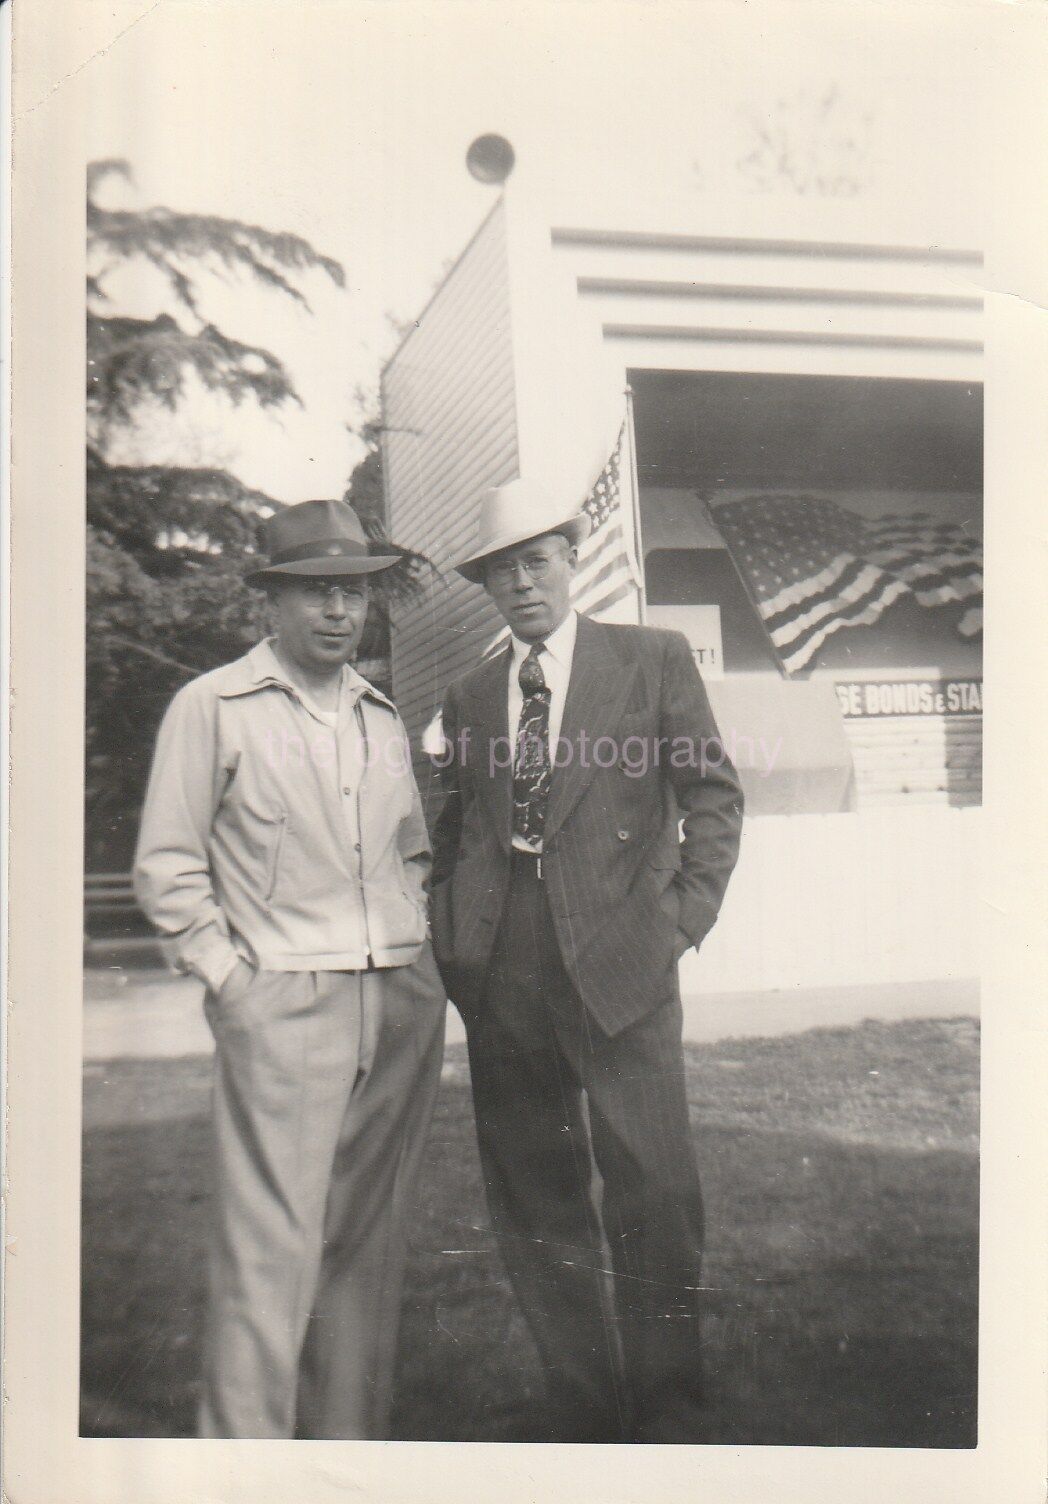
841, 1178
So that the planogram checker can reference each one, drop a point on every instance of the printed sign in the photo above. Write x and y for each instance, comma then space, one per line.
884, 697
701, 625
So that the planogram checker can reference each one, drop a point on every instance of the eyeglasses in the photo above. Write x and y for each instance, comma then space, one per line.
504, 571
320, 592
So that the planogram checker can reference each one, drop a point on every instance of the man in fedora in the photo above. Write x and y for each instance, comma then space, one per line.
284, 857
590, 827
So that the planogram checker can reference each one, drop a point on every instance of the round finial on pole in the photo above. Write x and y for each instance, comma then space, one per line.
490, 159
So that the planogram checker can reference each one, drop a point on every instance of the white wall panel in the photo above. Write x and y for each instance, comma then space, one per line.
801, 357
817, 900
749, 303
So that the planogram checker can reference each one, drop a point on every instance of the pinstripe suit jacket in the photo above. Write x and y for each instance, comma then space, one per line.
629, 777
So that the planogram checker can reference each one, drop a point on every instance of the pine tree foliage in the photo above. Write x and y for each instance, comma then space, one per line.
148, 634
366, 496
168, 239
167, 546
133, 360
166, 517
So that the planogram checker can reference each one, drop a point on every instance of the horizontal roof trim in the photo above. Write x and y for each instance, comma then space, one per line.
764, 294
652, 240
788, 337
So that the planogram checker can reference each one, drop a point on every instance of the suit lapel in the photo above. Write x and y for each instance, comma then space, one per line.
598, 690
489, 722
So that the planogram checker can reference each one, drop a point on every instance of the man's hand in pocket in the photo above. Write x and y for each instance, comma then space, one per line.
237, 982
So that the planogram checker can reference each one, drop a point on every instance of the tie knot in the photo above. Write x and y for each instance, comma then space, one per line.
531, 678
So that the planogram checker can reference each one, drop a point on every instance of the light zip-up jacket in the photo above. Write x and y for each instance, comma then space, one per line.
269, 835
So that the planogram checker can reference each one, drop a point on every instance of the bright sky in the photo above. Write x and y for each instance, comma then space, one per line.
348, 124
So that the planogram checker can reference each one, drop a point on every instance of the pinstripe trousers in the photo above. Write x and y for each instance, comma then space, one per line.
609, 1282
324, 1089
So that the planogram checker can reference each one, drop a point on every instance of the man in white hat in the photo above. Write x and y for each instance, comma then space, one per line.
284, 858
590, 827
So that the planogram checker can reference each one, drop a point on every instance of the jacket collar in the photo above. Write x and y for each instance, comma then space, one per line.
262, 669
492, 678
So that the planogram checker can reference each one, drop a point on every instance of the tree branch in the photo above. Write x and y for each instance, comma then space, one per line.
138, 647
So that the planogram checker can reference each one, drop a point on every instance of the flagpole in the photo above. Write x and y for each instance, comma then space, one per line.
638, 548
710, 518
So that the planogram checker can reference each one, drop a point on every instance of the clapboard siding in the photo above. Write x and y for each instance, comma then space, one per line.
906, 758
450, 420
465, 466
467, 452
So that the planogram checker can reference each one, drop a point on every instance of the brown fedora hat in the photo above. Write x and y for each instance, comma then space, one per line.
317, 538
513, 513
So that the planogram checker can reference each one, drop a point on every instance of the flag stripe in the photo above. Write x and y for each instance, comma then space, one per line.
616, 593
862, 613
859, 582
938, 563
598, 565
841, 579
942, 595
794, 594
611, 537
866, 618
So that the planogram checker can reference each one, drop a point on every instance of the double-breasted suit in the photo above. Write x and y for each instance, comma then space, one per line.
565, 972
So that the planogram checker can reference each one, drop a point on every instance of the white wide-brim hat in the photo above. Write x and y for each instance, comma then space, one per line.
512, 514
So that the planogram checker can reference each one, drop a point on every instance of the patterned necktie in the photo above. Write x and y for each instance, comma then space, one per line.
531, 766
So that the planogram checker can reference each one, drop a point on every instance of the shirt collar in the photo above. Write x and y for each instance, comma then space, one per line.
560, 644
261, 667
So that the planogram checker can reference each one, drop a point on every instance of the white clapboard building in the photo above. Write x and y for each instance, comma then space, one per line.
777, 421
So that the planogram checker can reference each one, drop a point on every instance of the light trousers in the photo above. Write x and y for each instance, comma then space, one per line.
324, 1089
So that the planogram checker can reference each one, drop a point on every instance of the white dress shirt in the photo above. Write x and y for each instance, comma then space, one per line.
555, 662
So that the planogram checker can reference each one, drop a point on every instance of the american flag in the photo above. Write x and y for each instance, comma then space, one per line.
607, 569
940, 561
802, 559
814, 568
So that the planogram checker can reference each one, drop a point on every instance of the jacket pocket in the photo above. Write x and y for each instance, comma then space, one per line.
670, 902
276, 848
418, 901
230, 1011
661, 875
419, 912
666, 857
